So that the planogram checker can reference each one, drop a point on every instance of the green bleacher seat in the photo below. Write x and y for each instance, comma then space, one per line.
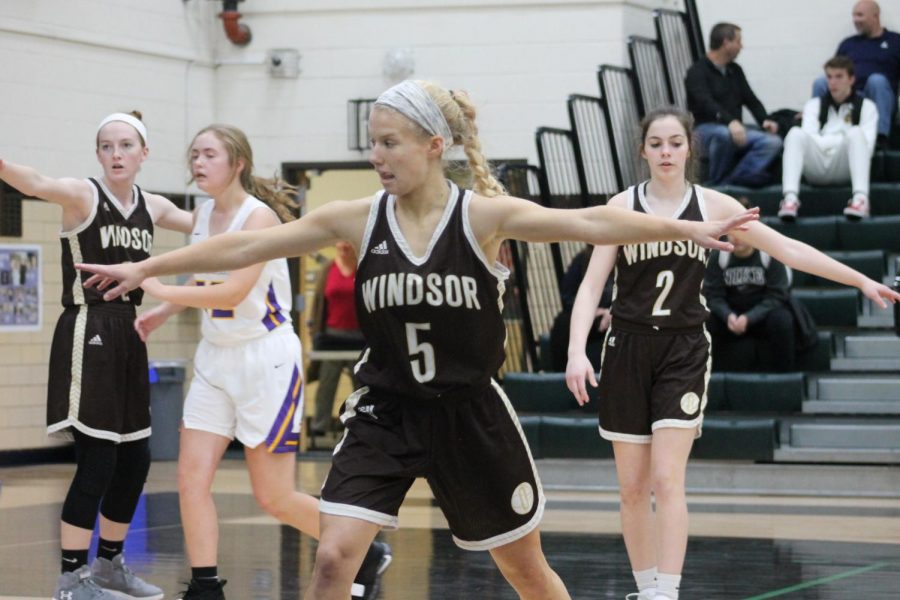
876, 233
531, 426
817, 358
738, 438
572, 437
819, 232
543, 393
764, 392
715, 393
831, 308
892, 166
870, 263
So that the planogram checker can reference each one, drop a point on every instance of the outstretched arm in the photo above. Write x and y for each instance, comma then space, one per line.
339, 220
800, 256
74, 195
507, 217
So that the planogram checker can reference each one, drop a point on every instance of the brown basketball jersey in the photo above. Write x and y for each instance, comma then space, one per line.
659, 284
433, 323
110, 235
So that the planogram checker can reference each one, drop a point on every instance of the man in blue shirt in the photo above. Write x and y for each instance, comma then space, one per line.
875, 52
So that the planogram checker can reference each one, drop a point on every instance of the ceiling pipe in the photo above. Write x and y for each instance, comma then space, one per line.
238, 33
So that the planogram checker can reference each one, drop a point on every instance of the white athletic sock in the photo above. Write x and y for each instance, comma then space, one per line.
667, 585
791, 197
645, 579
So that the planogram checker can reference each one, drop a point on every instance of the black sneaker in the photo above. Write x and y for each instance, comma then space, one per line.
204, 590
368, 580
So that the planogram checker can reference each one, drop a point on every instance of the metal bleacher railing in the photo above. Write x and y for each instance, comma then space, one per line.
592, 140
678, 50
620, 103
650, 72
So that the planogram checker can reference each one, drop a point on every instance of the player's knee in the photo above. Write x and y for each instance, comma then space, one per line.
533, 575
667, 485
634, 491
331, 564
273, 502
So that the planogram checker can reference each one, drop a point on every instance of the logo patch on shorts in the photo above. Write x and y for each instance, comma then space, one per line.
612, 341
690, 403
523, 498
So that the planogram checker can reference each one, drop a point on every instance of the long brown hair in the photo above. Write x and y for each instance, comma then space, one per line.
274, 191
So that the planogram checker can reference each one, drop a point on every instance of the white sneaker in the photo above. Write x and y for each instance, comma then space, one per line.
788, 209
648, 594
857, 208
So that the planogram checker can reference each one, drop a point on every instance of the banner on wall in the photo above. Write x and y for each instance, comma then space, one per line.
20, 287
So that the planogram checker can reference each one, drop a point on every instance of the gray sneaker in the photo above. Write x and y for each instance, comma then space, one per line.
77, 585
120, 581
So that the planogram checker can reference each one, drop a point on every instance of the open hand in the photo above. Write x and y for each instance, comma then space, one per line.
579, 369
149, 321
707, 233
878, 293
127, 276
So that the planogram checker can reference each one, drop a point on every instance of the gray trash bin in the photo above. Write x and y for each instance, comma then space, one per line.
166, 397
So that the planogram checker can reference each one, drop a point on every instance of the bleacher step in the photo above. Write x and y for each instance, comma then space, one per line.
850, 388
871, 346
851, 407
865, 364
837, 455
880, 319
848, 436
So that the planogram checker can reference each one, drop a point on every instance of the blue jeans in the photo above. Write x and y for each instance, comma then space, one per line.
733, 165
878, 90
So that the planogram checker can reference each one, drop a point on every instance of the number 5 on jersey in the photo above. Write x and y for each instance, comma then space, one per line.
423, 363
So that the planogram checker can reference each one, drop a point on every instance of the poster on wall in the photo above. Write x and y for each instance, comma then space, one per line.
20, 287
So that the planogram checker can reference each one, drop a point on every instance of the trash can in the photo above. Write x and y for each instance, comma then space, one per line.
166, 398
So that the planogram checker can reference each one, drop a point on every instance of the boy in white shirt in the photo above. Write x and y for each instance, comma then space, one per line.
833, 144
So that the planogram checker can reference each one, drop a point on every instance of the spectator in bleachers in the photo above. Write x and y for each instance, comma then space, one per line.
333, 326
876, 53
746, 292
834, 143
717, 91
568, 289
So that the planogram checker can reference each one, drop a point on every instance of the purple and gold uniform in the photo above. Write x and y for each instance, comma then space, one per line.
247, 380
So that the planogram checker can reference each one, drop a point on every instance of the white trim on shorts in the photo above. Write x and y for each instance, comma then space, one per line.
522, 530
356, 512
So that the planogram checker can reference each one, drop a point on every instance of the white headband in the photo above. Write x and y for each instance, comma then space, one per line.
413, 102
131, 120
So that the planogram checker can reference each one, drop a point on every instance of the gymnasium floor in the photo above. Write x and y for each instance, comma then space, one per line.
838, 546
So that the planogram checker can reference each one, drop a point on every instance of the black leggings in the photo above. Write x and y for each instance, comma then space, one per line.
110, 478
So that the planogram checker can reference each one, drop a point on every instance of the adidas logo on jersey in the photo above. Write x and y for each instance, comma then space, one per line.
380, 248
369, 409
95, 341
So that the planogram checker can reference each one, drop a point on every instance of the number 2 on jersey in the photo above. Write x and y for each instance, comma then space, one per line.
423, 364
664, 280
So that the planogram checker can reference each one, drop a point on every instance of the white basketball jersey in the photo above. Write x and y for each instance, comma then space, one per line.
268, 304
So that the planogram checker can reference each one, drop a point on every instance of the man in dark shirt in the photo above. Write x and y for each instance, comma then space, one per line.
875, 53
717, 91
